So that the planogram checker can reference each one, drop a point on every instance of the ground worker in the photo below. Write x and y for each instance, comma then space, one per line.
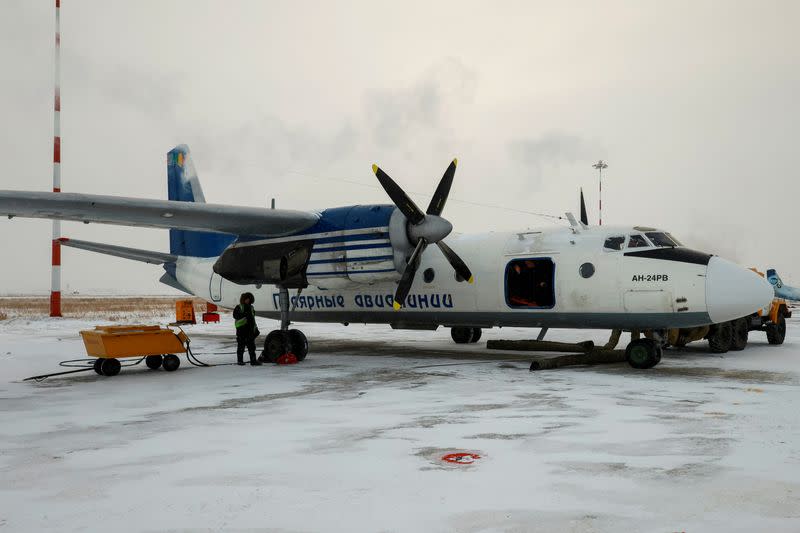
246, 329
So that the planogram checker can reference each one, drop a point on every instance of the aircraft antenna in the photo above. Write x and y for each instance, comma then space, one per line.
55, 275
600, 165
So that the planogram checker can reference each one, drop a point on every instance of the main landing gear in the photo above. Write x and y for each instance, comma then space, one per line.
284, 346
464, 335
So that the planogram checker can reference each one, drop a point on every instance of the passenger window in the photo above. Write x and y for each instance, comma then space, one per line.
529, 283
637, 241
614, 243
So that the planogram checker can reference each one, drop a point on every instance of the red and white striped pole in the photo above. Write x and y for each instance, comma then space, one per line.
600, 165
55, 278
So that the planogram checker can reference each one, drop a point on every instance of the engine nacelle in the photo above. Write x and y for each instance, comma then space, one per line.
257, 262
360, 244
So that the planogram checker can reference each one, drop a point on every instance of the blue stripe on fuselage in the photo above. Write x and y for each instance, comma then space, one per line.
355, 237
351, 259
352, 247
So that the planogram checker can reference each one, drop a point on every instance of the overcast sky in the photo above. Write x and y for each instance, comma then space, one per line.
695, 106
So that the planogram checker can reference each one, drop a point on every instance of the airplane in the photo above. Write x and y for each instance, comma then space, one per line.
370, 264
781, 289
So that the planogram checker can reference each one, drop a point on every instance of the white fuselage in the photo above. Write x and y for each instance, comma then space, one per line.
659, 289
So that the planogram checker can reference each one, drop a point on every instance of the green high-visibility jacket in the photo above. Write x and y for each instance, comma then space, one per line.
245, 319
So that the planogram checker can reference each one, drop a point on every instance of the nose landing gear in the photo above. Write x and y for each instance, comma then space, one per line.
644, 353
282, 343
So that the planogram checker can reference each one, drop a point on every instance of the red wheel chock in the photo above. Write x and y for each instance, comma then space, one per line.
287, 359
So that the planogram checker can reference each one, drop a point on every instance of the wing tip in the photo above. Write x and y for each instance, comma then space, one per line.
396, 306
455, 161
374, 168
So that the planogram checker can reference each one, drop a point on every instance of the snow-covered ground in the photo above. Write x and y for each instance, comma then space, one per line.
350, 440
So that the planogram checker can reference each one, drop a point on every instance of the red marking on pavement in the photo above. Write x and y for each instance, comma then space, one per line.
461, 458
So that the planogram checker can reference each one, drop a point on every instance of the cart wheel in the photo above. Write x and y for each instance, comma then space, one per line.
171, 362
153, 362
97, 363
110, 367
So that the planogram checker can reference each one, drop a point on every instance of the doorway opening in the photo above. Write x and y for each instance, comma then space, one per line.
531, 283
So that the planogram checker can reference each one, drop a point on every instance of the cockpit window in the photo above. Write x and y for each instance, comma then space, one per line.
637, 241
662, 239
614, 243
673, 239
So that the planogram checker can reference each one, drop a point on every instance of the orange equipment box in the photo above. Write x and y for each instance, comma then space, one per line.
184, 312
132, 341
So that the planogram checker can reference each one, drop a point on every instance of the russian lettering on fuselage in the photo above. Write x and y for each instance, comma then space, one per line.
366, 301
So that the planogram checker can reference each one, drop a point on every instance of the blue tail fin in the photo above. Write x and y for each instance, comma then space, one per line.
183, 186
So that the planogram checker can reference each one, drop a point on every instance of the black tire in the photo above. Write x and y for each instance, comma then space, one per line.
96, 365
299, 344
461, 335
153, 362
476, 335
776, 333
276, 344
643, 353
720, 338
739, 334
110, 367
171, 362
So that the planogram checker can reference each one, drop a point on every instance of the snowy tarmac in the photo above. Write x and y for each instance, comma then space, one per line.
351, 439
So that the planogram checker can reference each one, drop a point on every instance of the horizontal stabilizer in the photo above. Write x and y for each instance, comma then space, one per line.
155, 213
154, 258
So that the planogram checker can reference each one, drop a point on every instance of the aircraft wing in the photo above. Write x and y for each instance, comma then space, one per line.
155, 213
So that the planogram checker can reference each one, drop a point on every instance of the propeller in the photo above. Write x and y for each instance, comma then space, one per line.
423, 228
584, 216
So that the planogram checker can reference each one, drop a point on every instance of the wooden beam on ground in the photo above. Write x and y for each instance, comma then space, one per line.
593, 357
541, 346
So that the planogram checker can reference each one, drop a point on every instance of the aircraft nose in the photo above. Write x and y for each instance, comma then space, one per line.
734, 292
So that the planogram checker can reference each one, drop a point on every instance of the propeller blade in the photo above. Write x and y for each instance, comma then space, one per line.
584, 216
399, 197
443, 190
457, 263
404, 287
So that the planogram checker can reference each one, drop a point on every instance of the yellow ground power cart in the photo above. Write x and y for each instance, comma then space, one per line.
155, 345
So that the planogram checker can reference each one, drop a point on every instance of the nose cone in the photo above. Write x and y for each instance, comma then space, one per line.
734, 292
433, 229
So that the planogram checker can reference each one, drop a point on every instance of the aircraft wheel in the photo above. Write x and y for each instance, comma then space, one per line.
720, 337
777, 332
299, 344
276, 344
96, 366
153, 362
739, 337
643, 353
171, 362
461, 335
110, 367
476, 335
